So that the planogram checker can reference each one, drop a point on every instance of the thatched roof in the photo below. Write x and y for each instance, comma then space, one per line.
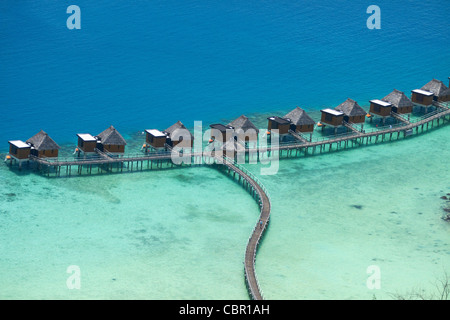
177, 129
298, 116
243, 123
437, 87
351, 108
42, 141
398, 99
111, 137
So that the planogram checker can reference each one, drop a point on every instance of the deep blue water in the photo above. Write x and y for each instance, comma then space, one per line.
147, 64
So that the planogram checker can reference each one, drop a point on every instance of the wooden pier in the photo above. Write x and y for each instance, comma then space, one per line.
259, 192
399, 117
298, 136
104, 161
352, 128
406, 128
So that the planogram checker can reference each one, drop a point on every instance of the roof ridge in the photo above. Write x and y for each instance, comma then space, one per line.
297, 114
242, 122
351, 108
107, 133
42, 139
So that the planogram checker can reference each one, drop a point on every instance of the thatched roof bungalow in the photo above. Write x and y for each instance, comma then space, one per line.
112, 141
353, 113
42, 146
300, 120
244, 129
439, 89
400, 102
177, 133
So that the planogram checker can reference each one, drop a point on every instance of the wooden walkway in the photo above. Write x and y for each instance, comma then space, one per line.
405, 129
258, 231
104, 162
298, 136
352, 128
103, 159
399, 117
249, 180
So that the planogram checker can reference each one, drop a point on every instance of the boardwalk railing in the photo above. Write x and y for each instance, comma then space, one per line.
110, 154
298, 136
248, 173
400, 117
106, 157
98, 159
259, 229
353, 127
443, 111
431, 114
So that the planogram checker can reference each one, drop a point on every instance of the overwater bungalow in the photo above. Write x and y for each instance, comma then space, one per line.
380, 108
440, 91
221, 133
86, 143
177, 133
300, 121
277, 123
155, 139
42, 146
245, 130
353, 113
422, 98
19, 150
332, 118
401, 104
111, 141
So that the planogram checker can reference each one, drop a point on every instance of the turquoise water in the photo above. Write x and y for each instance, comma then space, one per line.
335, 215
150, 235
147, 64
181, 234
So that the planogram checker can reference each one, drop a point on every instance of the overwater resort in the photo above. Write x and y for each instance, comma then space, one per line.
396, 116
348, 123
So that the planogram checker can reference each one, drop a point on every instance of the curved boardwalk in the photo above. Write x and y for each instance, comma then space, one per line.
258, 231
247, 177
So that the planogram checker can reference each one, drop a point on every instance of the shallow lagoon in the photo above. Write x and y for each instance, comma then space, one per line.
181, 233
